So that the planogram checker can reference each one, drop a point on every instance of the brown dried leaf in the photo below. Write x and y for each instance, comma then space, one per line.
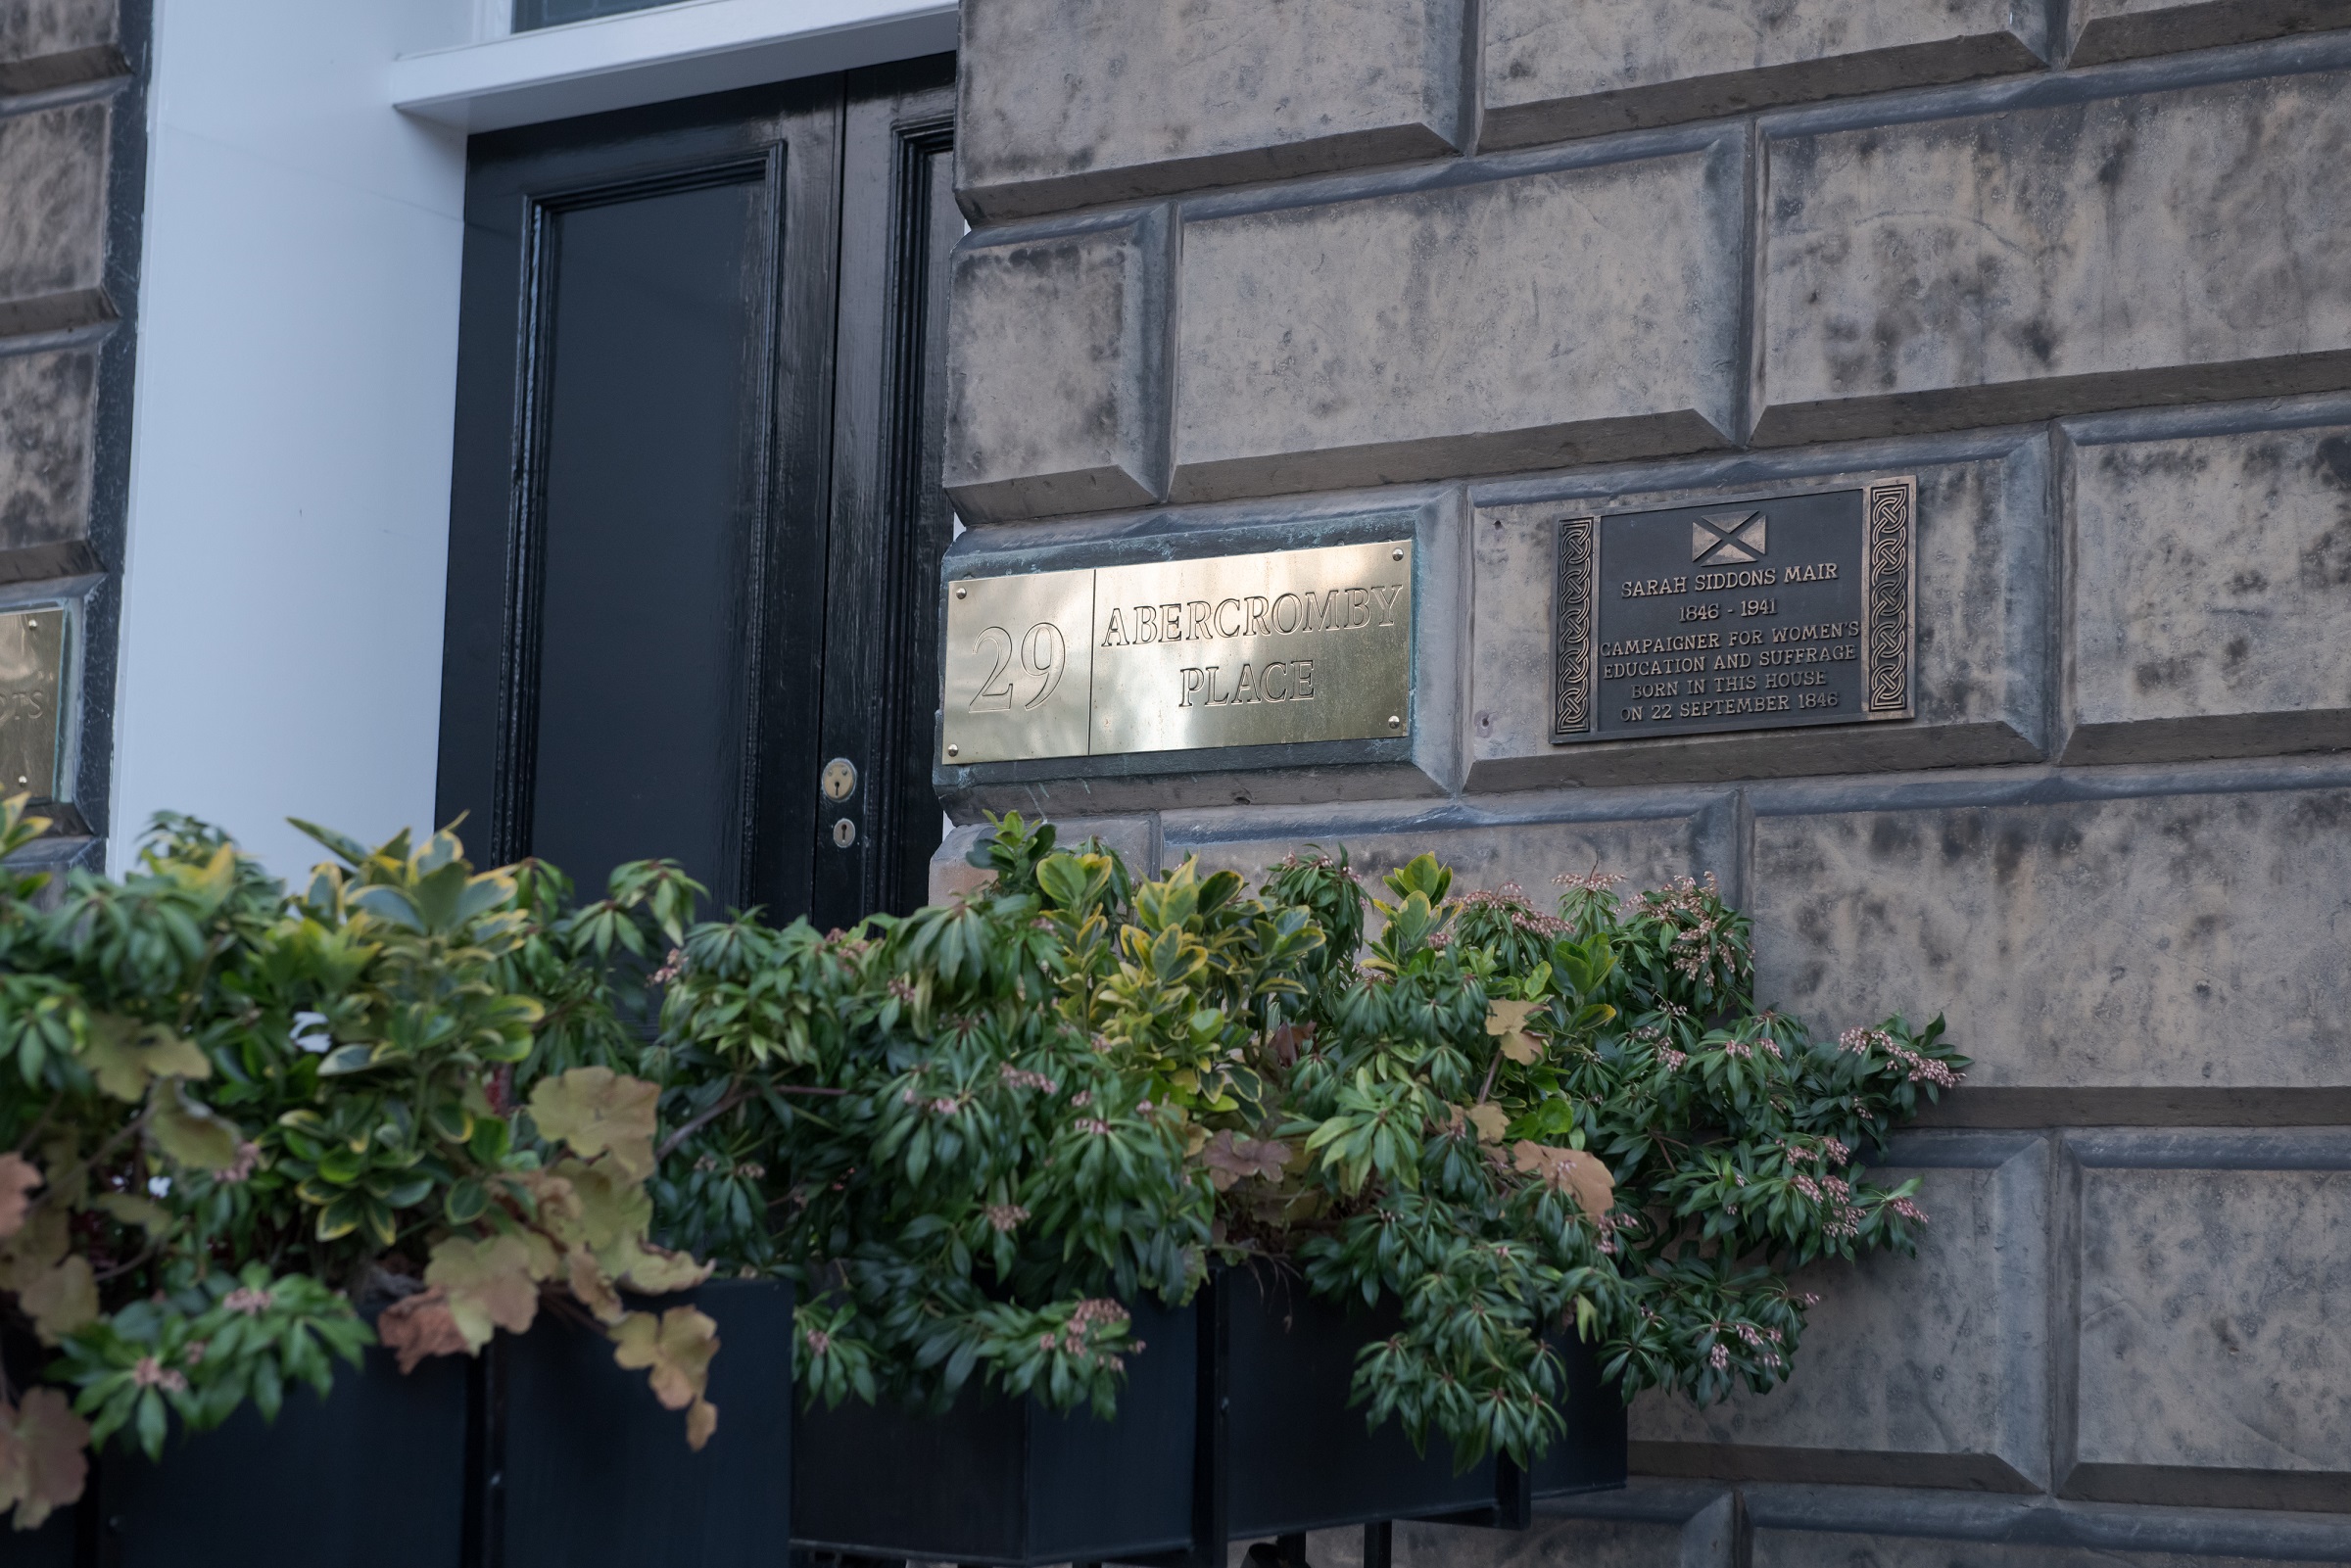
1490, 1120
674, 1352
420, 1325
487, 1283
1508, 1021
597, 1111
1290, 1041
62, 1300
19, 1176
657, 1270
1569, 1171
44, 1457
1231, 1159
593, 1288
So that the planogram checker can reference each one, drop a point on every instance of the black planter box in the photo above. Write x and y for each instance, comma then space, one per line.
1010, 1482
1590, 1455
1298, 1458
1233, 1424
586, 1467
372, 1477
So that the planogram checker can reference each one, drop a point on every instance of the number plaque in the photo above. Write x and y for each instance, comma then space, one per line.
1735, 615
33, 646
1279, 648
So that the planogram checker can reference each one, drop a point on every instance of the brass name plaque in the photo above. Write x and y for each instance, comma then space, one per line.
1735, 615
1231, 650
33, 647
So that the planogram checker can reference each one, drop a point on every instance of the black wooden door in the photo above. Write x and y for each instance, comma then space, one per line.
696, 519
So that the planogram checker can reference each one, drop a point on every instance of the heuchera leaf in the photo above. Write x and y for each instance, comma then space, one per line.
190, 1134
488, 1284
597, 1111
420, 1325
1508, 1021
674, 1351
1490, 1120
125, 1056
19, 1177
61, 1301
1569, 1171
1231, 1159
44, 1457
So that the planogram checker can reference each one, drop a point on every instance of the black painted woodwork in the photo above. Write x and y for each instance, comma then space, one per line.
696, 519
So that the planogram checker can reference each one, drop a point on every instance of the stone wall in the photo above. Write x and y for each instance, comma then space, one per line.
2082, 269
72, 184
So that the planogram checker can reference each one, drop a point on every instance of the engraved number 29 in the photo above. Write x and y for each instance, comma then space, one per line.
1043, 655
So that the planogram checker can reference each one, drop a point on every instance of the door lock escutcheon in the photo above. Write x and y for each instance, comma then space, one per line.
840, 779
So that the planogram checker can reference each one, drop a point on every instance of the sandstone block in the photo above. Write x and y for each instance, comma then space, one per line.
2075, 945
1648, 1525
1913, 1370
1811, 1549
1554, 71
1065, 103
2212, 596
2161, 247
1577, 315
2119, 30
1983, 573
1057, 372
45, 443
952, 875
51, 43
1484, 851
53, 246
2213, 1356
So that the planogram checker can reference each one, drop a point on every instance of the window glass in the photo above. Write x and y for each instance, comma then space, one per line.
530, 14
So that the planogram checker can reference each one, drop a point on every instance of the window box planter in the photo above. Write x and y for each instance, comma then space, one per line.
586, 1467
371, 1477
1233, 1425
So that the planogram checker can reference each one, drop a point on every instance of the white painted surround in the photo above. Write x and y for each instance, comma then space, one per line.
297, 365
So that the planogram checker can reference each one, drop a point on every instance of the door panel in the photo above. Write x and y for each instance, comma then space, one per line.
645, 541
890, 517
695, 520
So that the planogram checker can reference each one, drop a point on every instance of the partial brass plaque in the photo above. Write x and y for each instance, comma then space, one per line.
1277, 648
1019, 667
32, 663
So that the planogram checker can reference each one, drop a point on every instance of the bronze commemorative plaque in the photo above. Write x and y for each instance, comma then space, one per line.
32, 644
1751, 614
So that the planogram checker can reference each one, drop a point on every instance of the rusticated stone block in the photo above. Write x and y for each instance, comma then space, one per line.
1484, 851
51, 43
1067, 103
48, 404
1569, 316
2212, 596
2162, 248
2214, 1360
1913, 1370
2151, 943
1818, 1549
53, 246
1983, 572
1057, 372
1648, 1525
952, 875
1554, 71
2117, 29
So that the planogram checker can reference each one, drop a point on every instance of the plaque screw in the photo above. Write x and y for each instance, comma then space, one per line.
1396, 554
953, 752
1395, 722
31, 626
962, 592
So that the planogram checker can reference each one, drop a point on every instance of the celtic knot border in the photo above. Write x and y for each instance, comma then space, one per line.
1889, 601
1574, 606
